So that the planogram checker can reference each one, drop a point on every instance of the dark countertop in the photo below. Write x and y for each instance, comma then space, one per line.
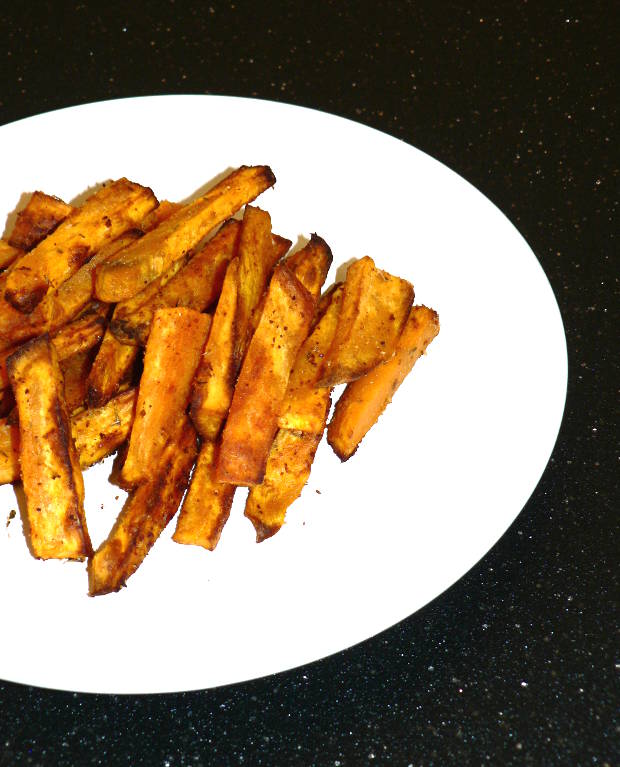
519, 662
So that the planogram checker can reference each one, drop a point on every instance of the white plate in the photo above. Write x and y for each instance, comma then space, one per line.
434, 485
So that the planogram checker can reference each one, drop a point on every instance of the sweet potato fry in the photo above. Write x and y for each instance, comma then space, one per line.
374, 309
172, 354
111, 367
257, 257
50, 469
306, 405
144, 516
42, 214
75, 371
96, 433
105, 215
214, 381
196, 285
130, 272
8, 254
311, 264
163, 211
365, 399
288, 468
257, 400
206, 507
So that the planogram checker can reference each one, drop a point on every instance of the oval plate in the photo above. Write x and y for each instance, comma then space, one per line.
435, 483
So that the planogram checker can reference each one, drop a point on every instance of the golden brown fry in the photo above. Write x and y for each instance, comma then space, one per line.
196, 285
206, 507
311, 264
257, 400
306, 404
130, 272
37, 220
144, 516
288, 468
99, 431
257, 257
172, 354
214, 381
365, 399
8, 254
105, 215
374, 309
163, 211
96, 434
50, 469
75, 371
111, 368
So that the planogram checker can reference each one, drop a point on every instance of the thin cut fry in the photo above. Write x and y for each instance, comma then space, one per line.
42, 214
375, 307
50, 469
172, 354
144, 516
364, 400
96, 434
257, 257
306, 404
129, 273
111, 368
214, 382
206, 507
311, 264
257, 400
196, 285
288, 468
105, 215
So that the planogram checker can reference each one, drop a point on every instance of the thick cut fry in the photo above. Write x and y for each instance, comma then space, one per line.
75, 371
96, 434
129, 273
365, 399
105, 215
306, 405
8, 254
144, 516
42, 214
257, 400
172, 354
374, 309
257, 257
111, 367
311, 264
50, 469
163, 211
196, 285
214, 382
288, 468
206, 507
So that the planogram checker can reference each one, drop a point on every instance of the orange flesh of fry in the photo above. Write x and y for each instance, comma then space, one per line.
42, 214
364, 400
111, 367
172, 354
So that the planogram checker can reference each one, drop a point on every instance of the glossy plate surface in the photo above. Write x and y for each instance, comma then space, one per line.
432, 488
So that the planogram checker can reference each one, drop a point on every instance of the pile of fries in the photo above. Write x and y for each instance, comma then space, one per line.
187, 340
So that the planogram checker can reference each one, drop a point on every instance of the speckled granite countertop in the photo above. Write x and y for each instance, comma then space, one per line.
519, 662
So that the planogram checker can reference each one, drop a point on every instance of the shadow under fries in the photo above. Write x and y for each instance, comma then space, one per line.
81, 197
206, 186
12, 216
342, 270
